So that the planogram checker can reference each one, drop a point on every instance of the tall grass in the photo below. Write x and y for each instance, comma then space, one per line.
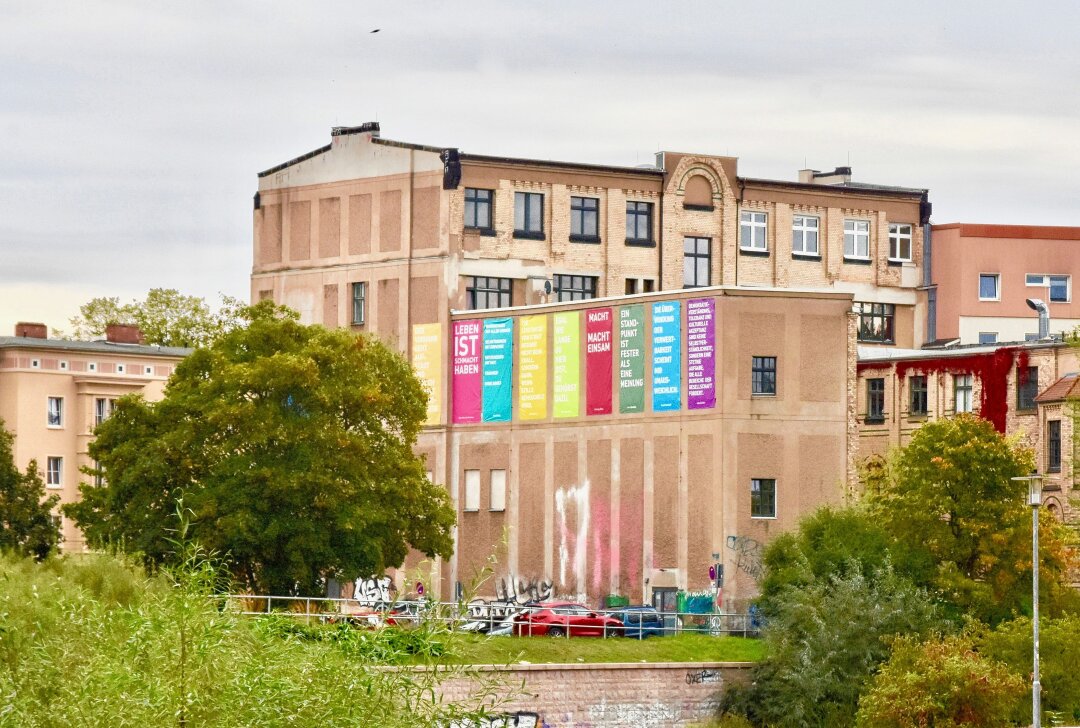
93, 641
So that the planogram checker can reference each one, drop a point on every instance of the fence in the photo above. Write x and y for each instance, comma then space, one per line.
496, 618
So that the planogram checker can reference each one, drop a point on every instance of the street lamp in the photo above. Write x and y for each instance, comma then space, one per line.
1034, 482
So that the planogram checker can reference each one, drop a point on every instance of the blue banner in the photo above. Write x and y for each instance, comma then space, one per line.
667, 357
498, 363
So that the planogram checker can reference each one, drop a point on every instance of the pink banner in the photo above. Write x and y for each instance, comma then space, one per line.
700, 353
466, 371
598, 337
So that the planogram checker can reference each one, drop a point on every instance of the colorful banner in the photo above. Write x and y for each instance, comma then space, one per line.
532, 368
667, 357
700, 353
466, 371
498, 366
632, 358
566, 363
598, 338
426, 361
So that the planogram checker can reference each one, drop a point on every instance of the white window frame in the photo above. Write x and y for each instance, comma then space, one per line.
855, 234
471, 498
1044, 282
896, 237
120, 369
997, 286
59, 413
799, 232
776, 500
751, 222
35, 363
91, 366
50, 482
63, 365
497, 486
984, 334
103, 407
968, 390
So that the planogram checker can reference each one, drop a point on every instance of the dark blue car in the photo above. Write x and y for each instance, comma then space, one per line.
640, 621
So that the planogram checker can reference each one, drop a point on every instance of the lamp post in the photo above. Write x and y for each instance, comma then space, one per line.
1034, 482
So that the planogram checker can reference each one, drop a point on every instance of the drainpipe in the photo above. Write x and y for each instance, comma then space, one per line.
738, 222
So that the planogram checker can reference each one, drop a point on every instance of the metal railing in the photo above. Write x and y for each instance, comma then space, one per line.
496, 618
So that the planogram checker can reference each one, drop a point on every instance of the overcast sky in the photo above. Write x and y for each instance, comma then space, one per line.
131, 132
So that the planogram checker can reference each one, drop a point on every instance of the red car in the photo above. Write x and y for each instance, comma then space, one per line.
559, 619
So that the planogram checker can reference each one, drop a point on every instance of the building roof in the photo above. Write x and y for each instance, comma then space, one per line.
1068, 387
95, 347
887, 354
1019, 232
845, 187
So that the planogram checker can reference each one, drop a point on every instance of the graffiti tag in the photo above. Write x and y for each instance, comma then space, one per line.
748, 555
374, 592
521, 590
504, 720
702, 676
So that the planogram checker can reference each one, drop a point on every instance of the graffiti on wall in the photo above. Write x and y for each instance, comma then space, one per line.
374, 592
702, 677
521, 590
748, 553
572, 524
503, 720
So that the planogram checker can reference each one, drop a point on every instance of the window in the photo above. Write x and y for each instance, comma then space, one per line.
63, 365
647, 285
987, 337
988, 287
857, 239
529, 215
472, 490
35, 363
875, 400
1058, 284
102, 410
631, 286
763, 498
804, 235
752, 230
478, 208
99, 477
498, 490
488, 292
54, 471
639, 223
359, 303
120, 368
875, 321
917, 387
574, 288
962, 386
91, 366
584, 220
696, 260
763, 375
899, 241
55, 416
1027, 386
148, 370
1053, 446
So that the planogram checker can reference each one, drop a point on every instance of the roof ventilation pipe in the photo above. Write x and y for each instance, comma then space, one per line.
1037, 304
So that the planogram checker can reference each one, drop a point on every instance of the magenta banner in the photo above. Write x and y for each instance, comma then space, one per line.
598, 337
701, 353
466, 371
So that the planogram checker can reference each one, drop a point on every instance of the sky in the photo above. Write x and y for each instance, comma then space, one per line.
131, 133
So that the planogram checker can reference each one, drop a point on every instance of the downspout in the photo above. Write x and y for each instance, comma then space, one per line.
408, 265
738, 222
660, 237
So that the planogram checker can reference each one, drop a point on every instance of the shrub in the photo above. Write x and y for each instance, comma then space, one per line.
1059, 656
943, 683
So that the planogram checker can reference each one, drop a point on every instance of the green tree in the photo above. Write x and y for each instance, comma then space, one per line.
1059, 655
943, 683
166, 317
292, 447
27, 525
949, 496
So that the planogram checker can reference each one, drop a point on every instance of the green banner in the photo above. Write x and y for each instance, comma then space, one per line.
632, 358
566, 364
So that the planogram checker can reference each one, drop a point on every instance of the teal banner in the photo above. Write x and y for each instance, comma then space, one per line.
498, 367
666, 357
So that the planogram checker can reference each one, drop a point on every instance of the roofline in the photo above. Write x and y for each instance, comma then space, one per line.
1023, 232
610, 168
913, 192
295, 160
101, 347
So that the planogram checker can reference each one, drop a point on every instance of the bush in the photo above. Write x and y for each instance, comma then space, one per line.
1059, 656
943, 683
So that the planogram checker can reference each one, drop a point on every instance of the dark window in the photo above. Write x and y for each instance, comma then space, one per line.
574, 288
647, 285
359, 303
763, 375
918, 395
478, 208
631, 286
529, 215
987, 337
763, 498
1059, 288
584, 219
1027, 386
488, 292
696, 261
1053, 446
875, 321
639, 222
875, 400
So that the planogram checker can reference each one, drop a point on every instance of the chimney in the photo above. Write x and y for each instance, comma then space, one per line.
1038, 305
123, 334
31, 330
839, 176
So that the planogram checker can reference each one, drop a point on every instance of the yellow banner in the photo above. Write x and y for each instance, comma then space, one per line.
532, 368
427, 355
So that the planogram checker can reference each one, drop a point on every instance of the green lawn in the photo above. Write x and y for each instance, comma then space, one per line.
481, 650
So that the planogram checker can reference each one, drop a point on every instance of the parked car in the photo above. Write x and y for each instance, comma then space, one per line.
640, 621
561, 619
